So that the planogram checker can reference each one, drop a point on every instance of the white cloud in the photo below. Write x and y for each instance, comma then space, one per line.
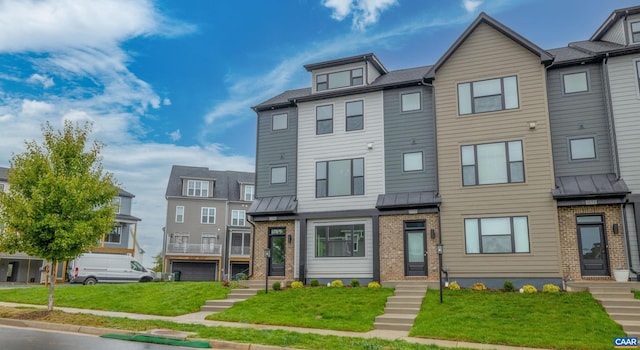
46, 81
175, 136
32, 108
166, 102
471, 5
364, 12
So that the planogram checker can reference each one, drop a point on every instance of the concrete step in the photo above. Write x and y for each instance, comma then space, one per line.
405, 298
633, 334
398, 304
620, 302
402, 311
247, 292
392, 326
209, 308
633, 315
612, 295
630, 326
221, 302
610, 289
410, 293
622, 310
396, 318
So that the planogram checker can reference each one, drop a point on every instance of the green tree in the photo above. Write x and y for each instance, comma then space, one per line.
158, 259
60, 201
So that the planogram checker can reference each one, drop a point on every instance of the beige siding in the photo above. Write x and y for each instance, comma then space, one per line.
487, 54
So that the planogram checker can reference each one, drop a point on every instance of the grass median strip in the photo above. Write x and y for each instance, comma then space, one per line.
158, 340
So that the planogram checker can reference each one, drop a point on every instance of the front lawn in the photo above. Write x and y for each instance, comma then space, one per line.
347, 309
157, 298
542, 320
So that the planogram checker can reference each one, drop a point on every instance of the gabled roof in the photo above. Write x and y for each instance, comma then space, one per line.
227, 182
589, 186
545, 57
367, 57
123, 193
612, 19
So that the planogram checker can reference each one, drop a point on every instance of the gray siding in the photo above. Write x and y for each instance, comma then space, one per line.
616, 34
409, 132
276, 148
125, 205
579, 115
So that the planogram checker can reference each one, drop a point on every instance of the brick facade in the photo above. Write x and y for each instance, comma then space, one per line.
392, 247
261, 242
569, 238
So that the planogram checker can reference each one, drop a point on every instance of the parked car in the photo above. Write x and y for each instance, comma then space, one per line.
91, 268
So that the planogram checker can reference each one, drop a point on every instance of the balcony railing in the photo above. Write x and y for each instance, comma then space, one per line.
195, 249
240, 250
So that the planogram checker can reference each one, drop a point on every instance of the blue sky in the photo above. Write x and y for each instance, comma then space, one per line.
172, 82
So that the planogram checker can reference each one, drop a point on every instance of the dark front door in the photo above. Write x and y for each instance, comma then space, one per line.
593, 247
415, 247
12, 271
277, 246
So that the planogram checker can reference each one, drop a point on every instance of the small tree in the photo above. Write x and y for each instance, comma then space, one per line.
158, 259
60, 202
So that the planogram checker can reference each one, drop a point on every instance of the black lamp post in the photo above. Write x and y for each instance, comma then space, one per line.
267, 258
440, 247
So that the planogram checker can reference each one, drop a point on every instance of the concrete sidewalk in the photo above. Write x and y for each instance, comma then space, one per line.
199, 318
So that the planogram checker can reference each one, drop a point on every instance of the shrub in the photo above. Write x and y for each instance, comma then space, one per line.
234, 284
479, 286
373, 284
508, 286
315, 283
355, 282
528, 289
336, 283
276, 286
550, 288
297, 284
226, 283
454, 285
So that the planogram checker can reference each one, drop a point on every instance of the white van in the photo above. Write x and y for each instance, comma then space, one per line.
91, 268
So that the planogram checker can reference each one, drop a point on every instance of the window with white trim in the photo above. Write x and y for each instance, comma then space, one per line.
412, 161
635, 32
324, 119
340, 79
492, 163
118, 203
575, 82
240, 243
197, 188
279, 121
115, 235
488, 95
340, 178
355, 115
582, 148
410, 102
237, 217
249, 192
279, 175
340, 241
208, 215
497, 235
179, 214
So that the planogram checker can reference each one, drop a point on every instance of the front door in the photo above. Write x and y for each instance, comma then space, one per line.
415, 257
593, 247
277, 246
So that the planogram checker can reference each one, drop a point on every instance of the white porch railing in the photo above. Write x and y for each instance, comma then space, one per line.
195, 249
240, 251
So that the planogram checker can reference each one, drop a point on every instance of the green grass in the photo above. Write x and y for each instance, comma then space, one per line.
240, 335
558, 321
348, 309
637, 294
158, 298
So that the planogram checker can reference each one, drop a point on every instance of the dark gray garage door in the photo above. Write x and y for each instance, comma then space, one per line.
196, 271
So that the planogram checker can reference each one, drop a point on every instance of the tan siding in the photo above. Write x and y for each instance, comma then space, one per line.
488, 54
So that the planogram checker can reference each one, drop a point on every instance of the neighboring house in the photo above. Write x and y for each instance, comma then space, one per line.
207, 236
503, 152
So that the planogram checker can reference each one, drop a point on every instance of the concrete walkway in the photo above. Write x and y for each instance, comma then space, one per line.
199, 318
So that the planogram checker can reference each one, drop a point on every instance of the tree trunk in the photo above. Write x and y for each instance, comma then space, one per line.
52, 283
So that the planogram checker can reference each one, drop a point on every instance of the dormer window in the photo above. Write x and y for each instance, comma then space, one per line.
340, 79
635, 32
249, 191
196, 188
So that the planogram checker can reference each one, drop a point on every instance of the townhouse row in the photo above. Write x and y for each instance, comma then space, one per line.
521, 162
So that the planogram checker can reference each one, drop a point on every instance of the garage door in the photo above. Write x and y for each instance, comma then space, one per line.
195, 271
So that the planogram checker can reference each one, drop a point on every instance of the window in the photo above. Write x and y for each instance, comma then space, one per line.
208, 215
181, 238
412, 161
324, 119
179, 213
497, 235
340, 178
279, 121
237, 218
410, 102
635, 32
136, 266
114, 235
583, 148
340, 240
575, 82
197, 188
339, 79
240, 243
492, 163
279, 175
249, 192
488, 95
118, 203
355, 115
209, 243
